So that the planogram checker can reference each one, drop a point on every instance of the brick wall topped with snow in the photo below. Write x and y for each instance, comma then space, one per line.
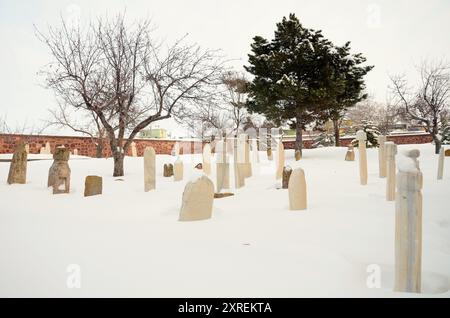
86, 146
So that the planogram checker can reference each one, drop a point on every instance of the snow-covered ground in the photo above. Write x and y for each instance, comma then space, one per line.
130, 243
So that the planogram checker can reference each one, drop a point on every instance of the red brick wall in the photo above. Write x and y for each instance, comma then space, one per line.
86, 146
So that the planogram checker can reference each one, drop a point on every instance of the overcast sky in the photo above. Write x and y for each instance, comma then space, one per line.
394, 35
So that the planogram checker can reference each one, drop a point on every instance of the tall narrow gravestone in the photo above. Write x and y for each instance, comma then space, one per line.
197, 201
222, 166
280, 160
408, 228
18, 167
248, 164
361, 136
59, 172
297, 190
440, 174
178, 170
382, 157
391, 152
149, 169
207, 159
176, 149
255, 152
239, 177
133, 149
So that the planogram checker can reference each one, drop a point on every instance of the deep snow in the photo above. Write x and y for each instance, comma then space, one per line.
130, 243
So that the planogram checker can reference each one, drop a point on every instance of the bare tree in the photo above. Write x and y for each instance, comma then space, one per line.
429, 101
235, 95
89, 125
122, 75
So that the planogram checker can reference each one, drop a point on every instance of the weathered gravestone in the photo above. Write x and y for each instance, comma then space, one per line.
222, 166
93, 185
298, 155
441, 160
178, 170
75, 152
269, 154
350, 155
382, 170
207, 159
18, 167
149, 169
297, 190
391, 152
408, 227
168, 170
447, 153
280, 160
287, 171
133, 149
59, 172
239, 173
197, 201
255, 152
361, 136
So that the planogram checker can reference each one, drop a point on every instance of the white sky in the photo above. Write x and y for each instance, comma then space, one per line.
394, 35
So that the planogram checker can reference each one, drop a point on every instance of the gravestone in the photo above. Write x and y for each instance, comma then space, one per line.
280, 160
207, 159
408, 228
59, 172
222, 166
297, 190
440, 174
350, 155
18, 166
287, 171
361, 136
255, 152
269, 154
197, 201
382, 171
27, 148
149, 169
133, 149
93, 185
45, 149
248, 164
178, 170
75, 152
176, 149
391, 152
239, 176
447, 153
168, 170
298, 155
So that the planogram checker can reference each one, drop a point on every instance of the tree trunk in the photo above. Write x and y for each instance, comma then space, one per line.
337, 140
118, 164
298, 134
99, 149
437, 144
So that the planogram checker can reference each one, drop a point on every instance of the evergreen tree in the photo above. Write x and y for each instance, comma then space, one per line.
301, 77
291, 74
